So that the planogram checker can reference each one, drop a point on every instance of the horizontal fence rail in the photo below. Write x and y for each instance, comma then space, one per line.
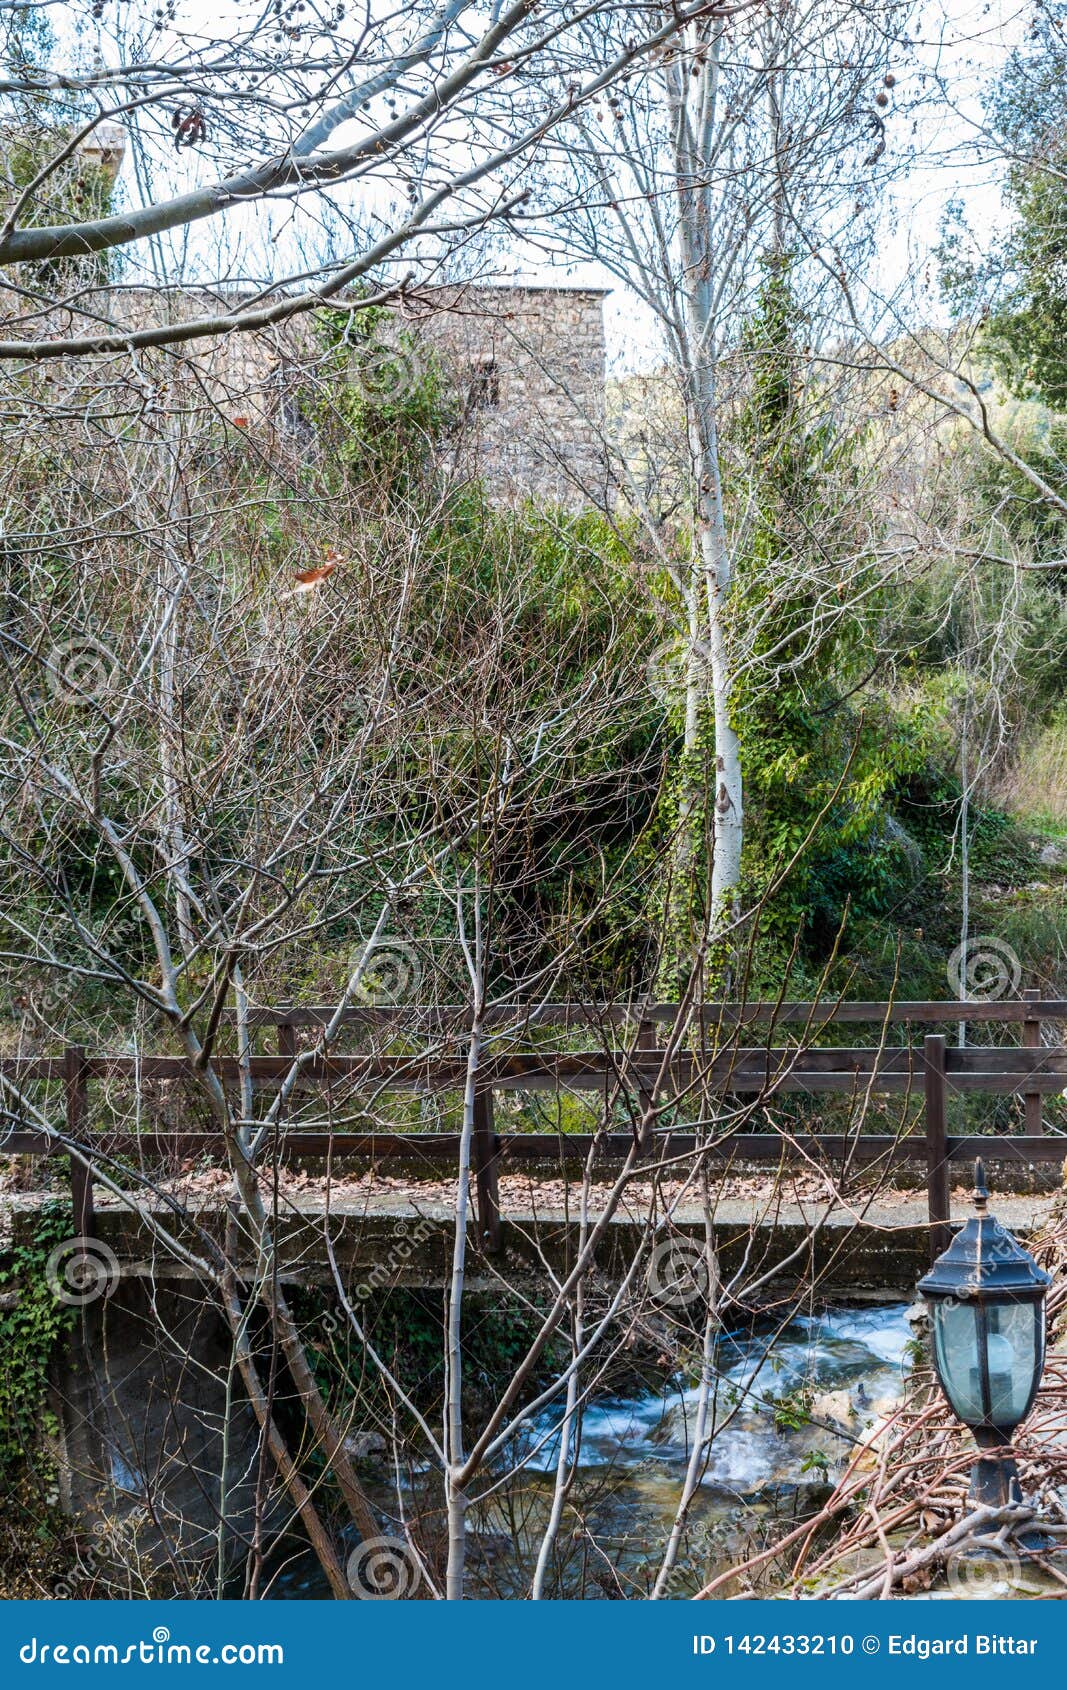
644, 1069
994, 1069
826, 1010
443, 1148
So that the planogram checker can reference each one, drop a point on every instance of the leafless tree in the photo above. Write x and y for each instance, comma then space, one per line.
206, 762
341, 147
751, 136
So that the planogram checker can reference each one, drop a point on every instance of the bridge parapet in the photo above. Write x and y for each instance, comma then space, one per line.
634, 1067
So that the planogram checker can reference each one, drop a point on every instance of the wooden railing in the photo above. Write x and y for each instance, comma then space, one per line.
641, 1067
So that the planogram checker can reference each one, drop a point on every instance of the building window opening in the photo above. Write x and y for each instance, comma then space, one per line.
484, 394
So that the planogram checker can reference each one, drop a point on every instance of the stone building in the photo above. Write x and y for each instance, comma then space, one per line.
526, 365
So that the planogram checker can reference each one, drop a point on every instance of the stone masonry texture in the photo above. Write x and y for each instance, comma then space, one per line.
525, 366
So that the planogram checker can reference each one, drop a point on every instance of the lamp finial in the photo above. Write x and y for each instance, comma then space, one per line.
981, 1189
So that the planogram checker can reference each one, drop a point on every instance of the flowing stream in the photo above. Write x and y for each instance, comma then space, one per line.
833, 1373
789, 1402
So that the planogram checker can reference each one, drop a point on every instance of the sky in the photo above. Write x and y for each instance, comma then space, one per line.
960, 44
956, 52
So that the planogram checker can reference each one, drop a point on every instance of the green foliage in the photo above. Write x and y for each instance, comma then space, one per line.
819, 768
792, 1410
387, 403
31, 1325
1021, 281
36, 129
551, 594
1004, 492
815, 1461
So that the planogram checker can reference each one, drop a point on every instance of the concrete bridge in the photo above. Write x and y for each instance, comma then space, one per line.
139, 1395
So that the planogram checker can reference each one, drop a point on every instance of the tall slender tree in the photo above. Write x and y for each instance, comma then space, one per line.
742, 130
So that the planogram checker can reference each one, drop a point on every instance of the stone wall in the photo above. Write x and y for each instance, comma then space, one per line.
526, 366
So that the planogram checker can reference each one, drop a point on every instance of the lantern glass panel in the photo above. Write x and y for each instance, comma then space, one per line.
1010, 1334
956, 1346
1013, 1361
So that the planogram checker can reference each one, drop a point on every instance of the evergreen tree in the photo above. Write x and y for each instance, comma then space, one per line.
1021, 282
820, 762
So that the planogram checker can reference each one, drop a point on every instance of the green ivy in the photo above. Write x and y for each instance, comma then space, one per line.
822, 756
387, 402
30, 1328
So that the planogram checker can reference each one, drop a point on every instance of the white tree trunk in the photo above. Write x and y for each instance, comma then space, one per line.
455, 1492
699, 347
726, 796
727, 805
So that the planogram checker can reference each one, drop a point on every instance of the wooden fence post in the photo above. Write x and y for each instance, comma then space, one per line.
937, 1169
486, 1146
288, 1048
646, 1040
75, 1082
1032, 1117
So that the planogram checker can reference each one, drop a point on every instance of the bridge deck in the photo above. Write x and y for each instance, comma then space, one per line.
398, 1233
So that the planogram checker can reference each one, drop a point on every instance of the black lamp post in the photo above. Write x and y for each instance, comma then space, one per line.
987, 1297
